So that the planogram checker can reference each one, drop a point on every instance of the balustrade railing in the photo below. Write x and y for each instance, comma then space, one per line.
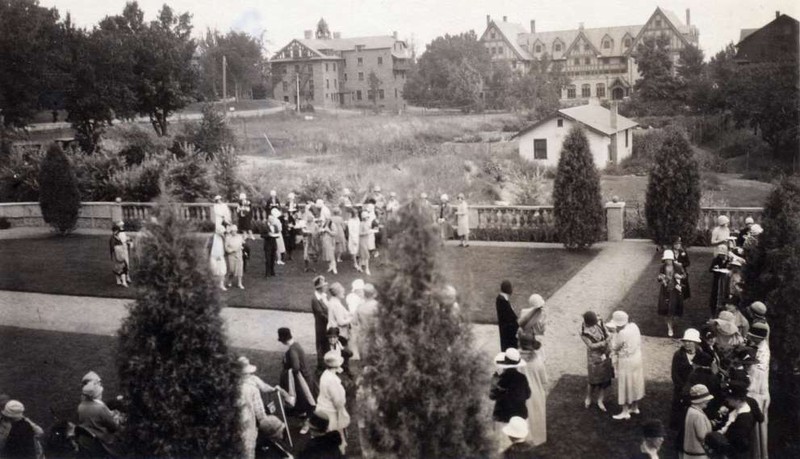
512, 216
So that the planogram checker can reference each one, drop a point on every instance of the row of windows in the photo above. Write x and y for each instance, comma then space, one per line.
498, 50
607, 44
586, 90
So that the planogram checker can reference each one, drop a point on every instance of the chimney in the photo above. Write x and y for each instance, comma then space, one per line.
777, 14
688, 17
613, 119
337, 35
394, 34
533, 26
505, 18
307, 34
488, 20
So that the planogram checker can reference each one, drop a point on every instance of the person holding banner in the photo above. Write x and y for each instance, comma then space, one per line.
295, 378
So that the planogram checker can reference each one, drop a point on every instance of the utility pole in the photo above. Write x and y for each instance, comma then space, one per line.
225, 84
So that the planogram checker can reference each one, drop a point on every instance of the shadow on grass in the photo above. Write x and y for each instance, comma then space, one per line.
80, 265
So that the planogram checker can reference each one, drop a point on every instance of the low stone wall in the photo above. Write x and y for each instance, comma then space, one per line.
92, 214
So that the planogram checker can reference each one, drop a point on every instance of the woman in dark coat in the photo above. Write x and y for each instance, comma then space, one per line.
670, 297
295, 378
510, 390
682, 258
681, 369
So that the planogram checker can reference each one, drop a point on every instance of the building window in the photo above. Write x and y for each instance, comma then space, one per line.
334, 66
326, 66
492, 34
285, 69
627, 42
296, 69
380, 94
360, 76
500, 50
345, 77
514, 63
370, 94
327, 84
577, 61
286, 98
607, 44
586, 90
539, 148
557, 47
587, 61
601, 90
586, 47
538, 48
571, 92
560, 122
358, 95
285, 86
658, 22
380, 60
335, 84
360, 61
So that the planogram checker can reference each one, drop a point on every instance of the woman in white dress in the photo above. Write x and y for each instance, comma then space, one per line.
332, 398
626, 348
353, 234
234, 245
338, 315
275, 214
462, 220
353, 300
537, 380
216, 257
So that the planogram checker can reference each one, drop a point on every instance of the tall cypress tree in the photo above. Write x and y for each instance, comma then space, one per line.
673, 191
59, 197
577, 203
424, 381
178, 379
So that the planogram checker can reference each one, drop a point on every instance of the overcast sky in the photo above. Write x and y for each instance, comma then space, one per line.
719, 21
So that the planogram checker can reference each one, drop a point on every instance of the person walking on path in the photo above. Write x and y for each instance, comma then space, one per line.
216, 257
295, 378
270, 237
506, 317
670, 297
510, 390
538, 382
626, 346
681, 369
462, 220
599, 368
332, 398
119, 246
234, 245
696, 424
319, 307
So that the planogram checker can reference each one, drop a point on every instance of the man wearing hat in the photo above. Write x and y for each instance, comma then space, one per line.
319, 307
653, 434
20, 436
510, 389
681, 369
324, 444
517, 432
696, 425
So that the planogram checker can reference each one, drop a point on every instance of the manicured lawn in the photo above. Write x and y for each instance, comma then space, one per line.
79, 265
642, 299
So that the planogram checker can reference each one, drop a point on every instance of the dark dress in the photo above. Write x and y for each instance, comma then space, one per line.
270, 249
323, 447
295, 359
507, 322
21, 443
287, 228
509, 391
670, 299
244, 216
681, 369
273, 203
738, 442
682, 258
320, 311
717, 284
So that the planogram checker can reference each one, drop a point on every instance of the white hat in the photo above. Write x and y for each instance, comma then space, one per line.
423, 195
516, 428
749, 221
377, 189
445, 197
392, 194
723, 220
275, 212
291, 195
14, 409
272, 192
536, 301
357, 284
242, 196
499, 358
756, 229
245, 366
511, 359
333, 359
668, 255
217, 198
619, 318
320, 203
691, 335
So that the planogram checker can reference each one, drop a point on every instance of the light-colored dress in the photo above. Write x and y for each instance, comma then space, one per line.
353, 301
696, 427
462, 218
332, 400
280, 244
253, 415
537, 403
233, 254
327, 238
720, 234
222, 213
627, 347
532, 323
339, 317
338, 234
365, 317
217, 257
365, 231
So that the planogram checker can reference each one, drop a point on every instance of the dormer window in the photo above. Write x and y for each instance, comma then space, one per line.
627, 42
492, 34
557, 47
658, 22
538, 48
607, 44
586, 47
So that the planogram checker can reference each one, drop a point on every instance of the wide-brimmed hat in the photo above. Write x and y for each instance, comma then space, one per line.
499, 358
736, 261
726, 324
723, 220
619, 319
756, 229
319, 203
357, 284
653, 428
691, 335
242, 196
699, 393
536, 301
333, 359
14, 409
217, 198
320, 282
92, 389
512, 359
737, 389
444, 197
517, 427
758, 331
245, 366
284, 334
758, 308
668, 255
749, 221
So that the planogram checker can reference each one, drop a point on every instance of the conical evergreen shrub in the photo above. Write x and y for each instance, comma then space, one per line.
59, 198
423, 380
672, 204
577, 204
178, 379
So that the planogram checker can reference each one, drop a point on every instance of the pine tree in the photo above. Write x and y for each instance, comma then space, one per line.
59, 197
673, 192
577, 204
178, 379
424, 381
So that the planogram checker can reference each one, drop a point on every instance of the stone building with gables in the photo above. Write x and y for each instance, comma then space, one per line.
600, 61
326, 70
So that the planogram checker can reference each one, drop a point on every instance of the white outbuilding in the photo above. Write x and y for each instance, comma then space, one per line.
610, 136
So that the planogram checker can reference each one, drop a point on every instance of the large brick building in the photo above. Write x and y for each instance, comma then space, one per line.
598, 61
327, 70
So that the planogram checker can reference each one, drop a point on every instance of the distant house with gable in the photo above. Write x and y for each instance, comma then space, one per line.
778, 41
610, 135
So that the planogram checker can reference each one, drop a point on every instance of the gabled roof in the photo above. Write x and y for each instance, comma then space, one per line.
594, 117
511, 32
747, 33
581, 34
680, 29
325, 48
593, 36
744, 33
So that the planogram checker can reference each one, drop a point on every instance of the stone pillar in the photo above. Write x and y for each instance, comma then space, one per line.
615, 220
116, 211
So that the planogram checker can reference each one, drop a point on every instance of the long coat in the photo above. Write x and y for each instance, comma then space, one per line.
510, 391
681, 369
320, 311
507, 322
296, 374
670, 296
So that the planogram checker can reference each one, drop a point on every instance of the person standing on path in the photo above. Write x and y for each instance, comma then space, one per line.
319, 307
696, 424
295, 378
462, 220
626, 346
234, 245
510, 390
670, 297
600, 371
538, 382
719, 240
119, 246
681, 369
506, 317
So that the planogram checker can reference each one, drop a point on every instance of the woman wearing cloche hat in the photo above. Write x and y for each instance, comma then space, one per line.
696, 425
21, 437
626, 345
681, 369
670, 297
332, 399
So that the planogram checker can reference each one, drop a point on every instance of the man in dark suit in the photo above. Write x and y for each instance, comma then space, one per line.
319, 306
506, 317
270, 247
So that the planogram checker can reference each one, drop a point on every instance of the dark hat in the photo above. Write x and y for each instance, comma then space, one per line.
759, 331
319, 422
506, 287
333, 331
653, 428
737, 389
707, 332
590, 318
284, 334
319, 282
703, 359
